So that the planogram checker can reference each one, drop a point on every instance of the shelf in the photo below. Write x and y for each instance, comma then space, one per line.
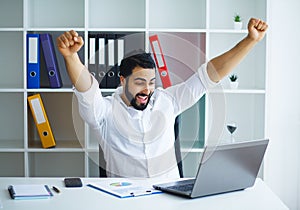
56, 164
11, 14
117, 29
190, 32
61, 146
11, 29
230, 31
11, 90
61, 29
179, 15
11, 145
221, 12
40, 14
127, 14
238, 91
12, 164
50, 90
186, 30
11, 70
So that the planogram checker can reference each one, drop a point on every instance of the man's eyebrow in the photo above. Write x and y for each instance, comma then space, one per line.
139, 78
143, 79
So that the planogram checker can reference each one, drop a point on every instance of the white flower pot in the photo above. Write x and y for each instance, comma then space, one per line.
238, 25
234, 85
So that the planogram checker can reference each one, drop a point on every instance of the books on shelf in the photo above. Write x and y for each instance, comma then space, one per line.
45, 42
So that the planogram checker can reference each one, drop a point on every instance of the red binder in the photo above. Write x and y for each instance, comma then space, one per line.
160, 61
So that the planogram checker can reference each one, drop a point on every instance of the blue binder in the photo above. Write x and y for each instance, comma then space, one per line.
51, 61
33, 61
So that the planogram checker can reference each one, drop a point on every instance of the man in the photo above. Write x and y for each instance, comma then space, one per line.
135, 125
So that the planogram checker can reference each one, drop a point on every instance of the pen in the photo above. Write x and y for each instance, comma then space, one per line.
55, 189
139, 193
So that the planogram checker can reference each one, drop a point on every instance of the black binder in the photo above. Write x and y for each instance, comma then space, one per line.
101, 60
111, 62
92, 54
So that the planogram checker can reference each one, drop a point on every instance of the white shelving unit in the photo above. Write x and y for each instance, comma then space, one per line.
203, 27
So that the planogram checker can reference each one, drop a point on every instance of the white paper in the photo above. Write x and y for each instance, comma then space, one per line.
125, 187
30, 190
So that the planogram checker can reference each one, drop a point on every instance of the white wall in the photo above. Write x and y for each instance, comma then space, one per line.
282, 164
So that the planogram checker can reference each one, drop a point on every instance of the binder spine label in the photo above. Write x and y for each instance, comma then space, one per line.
92, 49
33, 49
160, 61
33, 61
39, 115
101, 51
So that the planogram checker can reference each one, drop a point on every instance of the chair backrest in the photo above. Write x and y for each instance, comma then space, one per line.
102, 163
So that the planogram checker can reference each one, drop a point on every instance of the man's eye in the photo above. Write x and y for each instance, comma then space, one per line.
139, 83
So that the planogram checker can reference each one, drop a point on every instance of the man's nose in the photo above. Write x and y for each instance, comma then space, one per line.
146, 91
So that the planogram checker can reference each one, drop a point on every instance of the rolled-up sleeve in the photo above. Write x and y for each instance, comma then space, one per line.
203, 75
91, 104
187, 93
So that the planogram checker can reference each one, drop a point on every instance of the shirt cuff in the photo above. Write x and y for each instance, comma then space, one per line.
207, 82
87, 97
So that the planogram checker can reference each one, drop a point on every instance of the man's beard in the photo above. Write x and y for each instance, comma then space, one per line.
133, 99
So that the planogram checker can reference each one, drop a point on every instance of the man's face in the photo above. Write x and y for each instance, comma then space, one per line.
138, 87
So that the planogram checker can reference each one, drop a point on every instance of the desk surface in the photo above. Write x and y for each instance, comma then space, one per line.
257, 197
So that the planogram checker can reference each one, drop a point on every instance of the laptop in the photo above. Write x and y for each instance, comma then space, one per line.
223, 168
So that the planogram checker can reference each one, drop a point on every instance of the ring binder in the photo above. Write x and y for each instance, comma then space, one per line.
111, 73
33, 61
41, 121
101, 77
51, 61
160, 61
92, 55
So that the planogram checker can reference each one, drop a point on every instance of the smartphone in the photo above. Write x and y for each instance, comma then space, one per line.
73, 182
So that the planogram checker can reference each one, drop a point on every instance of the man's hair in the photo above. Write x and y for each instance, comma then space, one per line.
136, 59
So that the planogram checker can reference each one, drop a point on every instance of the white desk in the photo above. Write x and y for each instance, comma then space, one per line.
255, 198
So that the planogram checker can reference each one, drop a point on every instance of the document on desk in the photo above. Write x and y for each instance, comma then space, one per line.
125, 188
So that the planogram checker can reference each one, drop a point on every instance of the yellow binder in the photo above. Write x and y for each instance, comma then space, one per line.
41, 120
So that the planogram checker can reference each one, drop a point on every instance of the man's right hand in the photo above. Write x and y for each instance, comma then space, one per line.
69, 43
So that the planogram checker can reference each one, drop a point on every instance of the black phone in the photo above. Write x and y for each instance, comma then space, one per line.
73, 182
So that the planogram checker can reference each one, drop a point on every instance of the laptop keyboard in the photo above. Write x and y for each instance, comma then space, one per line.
183, 188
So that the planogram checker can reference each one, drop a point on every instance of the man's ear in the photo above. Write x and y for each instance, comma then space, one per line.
122, 80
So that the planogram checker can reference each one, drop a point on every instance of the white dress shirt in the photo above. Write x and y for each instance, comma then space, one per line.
140, 143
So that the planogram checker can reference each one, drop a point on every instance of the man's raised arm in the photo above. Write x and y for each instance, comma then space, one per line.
222, 65
69, 43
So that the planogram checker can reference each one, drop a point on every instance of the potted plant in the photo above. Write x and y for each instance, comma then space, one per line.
238, 24
233, 81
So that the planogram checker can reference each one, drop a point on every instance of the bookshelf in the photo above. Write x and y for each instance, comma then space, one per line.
204, 24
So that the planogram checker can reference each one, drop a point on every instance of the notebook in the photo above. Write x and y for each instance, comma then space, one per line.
223, 168
31, 191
